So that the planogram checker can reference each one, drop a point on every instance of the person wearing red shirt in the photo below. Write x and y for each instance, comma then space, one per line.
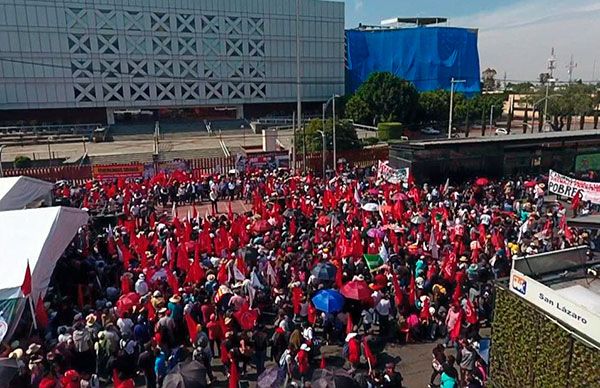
302, 358
353, 350
215, 334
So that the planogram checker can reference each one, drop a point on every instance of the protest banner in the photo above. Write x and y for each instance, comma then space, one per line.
569, 187
115, 171
392, 175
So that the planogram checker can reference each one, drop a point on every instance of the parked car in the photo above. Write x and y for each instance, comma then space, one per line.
430, 131
501, 131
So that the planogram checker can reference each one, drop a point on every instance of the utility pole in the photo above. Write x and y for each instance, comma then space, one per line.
570, 67
452, 82
323, 150
294, 142
299, 85
551, 67
334, 138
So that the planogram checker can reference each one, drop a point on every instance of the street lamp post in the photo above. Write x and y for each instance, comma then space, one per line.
452, 82
545, 99
325, 105
2, 147
334, 138
323, 151
491, 115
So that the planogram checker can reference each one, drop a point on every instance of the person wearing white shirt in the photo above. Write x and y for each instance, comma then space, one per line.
141, 287
383, 309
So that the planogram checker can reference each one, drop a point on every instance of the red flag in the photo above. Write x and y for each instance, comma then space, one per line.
192, 327
412, 297
173, 282
338, 274
368, 353
449, 266
229, 211
349, 325
234, 375
183, 262
323, 364
398, 295
223, 274
150, 308
296, 298
471, 313
457, 294
26, 286
41, 315
565, 229
224, 354
125, 286
575, 201
455, 332
158, 256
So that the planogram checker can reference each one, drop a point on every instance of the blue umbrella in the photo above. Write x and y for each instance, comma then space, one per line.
329, 301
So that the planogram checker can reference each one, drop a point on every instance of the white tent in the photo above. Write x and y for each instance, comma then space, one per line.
21, 191
39, 236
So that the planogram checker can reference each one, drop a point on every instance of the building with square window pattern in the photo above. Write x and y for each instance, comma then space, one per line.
147, 54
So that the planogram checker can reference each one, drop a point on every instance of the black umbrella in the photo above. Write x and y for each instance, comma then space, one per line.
289, 213
8, 370
271, 377
336, 378
249, 253
324, 271
190, 374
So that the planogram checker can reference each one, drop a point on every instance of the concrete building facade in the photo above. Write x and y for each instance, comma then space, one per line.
136, 54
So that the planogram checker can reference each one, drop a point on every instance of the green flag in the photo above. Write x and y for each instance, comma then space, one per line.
373, 261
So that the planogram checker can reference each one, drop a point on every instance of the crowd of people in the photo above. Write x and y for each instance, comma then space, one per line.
351, 265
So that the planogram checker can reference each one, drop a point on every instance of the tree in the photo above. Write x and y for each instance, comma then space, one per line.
346, 138
388, 98
521, 88
22, 162
488, 79
434, 105
359, 111
567, 101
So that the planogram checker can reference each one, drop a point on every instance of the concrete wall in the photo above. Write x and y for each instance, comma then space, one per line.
161, 53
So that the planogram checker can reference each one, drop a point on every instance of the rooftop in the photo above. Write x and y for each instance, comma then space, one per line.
512, 138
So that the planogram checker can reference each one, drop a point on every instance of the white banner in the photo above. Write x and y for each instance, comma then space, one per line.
572, 314
392, 175
569, 187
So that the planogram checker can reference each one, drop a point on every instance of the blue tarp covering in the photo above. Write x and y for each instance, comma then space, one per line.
427, 56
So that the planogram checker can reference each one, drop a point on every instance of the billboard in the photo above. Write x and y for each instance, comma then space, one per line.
551, 302
115, 171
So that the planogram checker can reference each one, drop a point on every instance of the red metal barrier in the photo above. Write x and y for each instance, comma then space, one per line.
53, 174
206, 166
361, 158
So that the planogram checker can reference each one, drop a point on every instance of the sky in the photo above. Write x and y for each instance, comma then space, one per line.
515, 37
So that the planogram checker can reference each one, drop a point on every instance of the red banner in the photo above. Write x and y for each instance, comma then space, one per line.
114, 171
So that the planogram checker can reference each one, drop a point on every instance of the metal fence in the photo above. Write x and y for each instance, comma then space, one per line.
205, 166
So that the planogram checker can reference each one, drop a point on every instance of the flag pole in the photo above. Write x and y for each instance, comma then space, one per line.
35, 326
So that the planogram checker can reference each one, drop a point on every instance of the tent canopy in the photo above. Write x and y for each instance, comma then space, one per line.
39, 236
20, 191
